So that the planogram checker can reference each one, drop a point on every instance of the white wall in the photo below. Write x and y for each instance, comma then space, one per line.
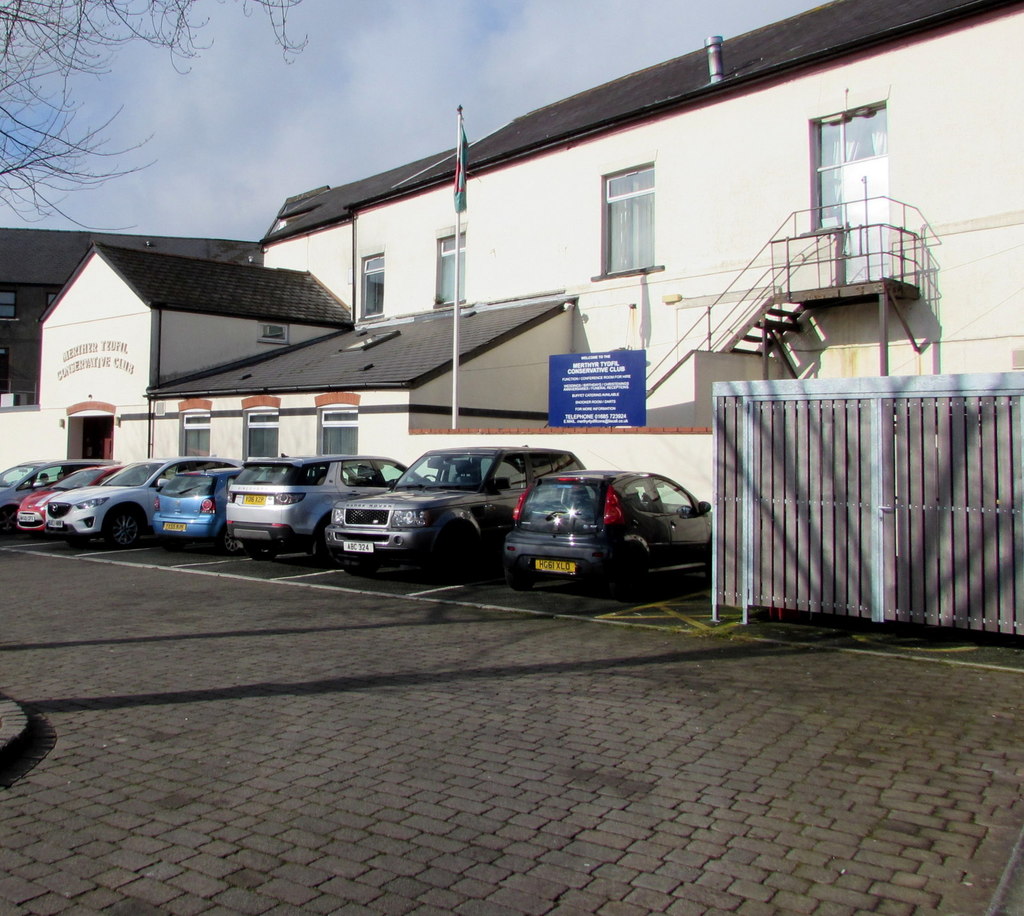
728, 173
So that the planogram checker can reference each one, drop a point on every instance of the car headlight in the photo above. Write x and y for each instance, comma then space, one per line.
92, 503
338, 516
410, 518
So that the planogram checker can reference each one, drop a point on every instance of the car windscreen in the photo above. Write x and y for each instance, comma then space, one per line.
463, 472
15, 475
562, 506
189, 485
133, 475
278, 475
82, 478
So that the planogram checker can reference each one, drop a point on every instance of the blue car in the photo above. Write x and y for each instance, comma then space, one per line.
192, 507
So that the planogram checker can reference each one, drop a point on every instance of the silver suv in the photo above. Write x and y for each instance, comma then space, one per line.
120, 510
284, 504
449, 510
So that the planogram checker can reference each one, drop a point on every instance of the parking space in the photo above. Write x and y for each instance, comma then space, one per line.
675, 599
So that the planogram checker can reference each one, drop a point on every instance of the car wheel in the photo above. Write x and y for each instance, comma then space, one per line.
256, 551
318, 549
456, 552
518, 581
628, 575
122, 528
172, 544
229, 544
8, 519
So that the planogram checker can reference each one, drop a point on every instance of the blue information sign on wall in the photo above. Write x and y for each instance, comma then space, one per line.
598, 389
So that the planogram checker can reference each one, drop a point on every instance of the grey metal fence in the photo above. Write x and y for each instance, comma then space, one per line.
892, 499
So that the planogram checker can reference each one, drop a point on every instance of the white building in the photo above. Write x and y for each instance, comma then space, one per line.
833, 195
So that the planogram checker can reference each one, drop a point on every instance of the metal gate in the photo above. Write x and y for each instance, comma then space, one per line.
892, 499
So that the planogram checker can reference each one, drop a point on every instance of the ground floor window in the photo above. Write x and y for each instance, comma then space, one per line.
261, 429
339, 432
195, 433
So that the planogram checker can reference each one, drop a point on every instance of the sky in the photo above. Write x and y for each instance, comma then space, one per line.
225, 142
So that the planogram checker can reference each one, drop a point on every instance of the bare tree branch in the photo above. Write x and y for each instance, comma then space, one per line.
44, 45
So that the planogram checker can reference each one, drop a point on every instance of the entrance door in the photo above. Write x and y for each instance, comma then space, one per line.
98, 437
853, 188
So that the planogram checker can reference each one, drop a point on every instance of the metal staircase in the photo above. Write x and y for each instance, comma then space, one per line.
805, 266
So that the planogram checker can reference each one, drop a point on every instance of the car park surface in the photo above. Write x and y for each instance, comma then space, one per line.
193, 507
120, 510
449, 511
282, 504
298, 745
611, 527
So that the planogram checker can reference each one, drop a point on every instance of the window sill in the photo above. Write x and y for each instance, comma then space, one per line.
635, 272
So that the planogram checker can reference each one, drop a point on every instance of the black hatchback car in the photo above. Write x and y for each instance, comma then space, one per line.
606, 526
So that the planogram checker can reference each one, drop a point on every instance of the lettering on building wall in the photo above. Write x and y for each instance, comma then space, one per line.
96, 354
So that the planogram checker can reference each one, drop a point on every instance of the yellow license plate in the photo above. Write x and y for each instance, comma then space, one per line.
174, 526
251, 500
555, 566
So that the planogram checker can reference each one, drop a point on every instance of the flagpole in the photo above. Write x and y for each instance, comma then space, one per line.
460, 205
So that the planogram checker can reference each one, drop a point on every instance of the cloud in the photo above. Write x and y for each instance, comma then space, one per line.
377, 85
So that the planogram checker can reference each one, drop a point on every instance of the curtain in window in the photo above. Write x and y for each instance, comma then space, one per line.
630, 221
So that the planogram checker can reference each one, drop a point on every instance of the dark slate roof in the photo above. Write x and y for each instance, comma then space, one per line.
48, 257
184, 284
820, 34
392, 354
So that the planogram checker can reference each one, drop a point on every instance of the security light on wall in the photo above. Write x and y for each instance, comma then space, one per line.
671, 298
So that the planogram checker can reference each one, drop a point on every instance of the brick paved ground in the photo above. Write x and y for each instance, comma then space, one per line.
224, 746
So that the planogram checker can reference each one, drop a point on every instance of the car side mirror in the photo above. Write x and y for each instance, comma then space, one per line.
703, 507
499, 483
161, 482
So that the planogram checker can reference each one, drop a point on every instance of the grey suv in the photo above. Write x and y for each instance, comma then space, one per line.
282, 504
448, 505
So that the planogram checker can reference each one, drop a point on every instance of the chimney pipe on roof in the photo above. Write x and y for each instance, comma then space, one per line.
714, 45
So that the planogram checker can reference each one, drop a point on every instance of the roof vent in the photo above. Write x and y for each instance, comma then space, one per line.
714, 45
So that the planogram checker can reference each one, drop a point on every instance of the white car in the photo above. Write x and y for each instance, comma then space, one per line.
120, 510
17, 482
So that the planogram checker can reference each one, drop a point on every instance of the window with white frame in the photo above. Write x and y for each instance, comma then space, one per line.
339, 431
273, 333
852, 168
195, 433
446, 269
373, 286
629, 220
261, 428
8, 303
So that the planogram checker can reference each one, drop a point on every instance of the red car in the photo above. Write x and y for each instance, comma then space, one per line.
32, 509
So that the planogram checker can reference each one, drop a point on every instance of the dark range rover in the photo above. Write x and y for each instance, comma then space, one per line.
450, 509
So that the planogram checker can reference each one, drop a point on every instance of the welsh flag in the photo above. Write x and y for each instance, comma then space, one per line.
461, 163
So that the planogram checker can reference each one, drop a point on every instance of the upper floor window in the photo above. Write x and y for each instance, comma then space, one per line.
446, 269
373, 286
852, 151
195, 433
274, 333
629, 220
8, 302
261, 429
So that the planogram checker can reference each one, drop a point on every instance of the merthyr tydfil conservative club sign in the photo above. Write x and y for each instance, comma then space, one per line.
598, 389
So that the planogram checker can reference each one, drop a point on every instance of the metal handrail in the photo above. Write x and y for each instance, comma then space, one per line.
902, 260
